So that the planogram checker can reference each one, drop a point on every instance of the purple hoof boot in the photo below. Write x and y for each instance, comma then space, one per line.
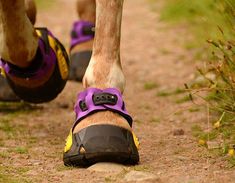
47, 75
99, 143
82, 31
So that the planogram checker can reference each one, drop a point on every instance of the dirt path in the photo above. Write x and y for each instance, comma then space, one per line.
155, 62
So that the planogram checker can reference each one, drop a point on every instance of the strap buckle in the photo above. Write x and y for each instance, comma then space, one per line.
83, 106
86, 31
104, 98
100, 99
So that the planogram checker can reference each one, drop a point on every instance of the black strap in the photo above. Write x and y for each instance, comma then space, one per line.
104, 98
86, 30
44, 37
83, 105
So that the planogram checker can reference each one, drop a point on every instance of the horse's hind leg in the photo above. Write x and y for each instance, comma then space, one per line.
19, 41
86, 10
82, 36
31, 10
34, 61
6, 93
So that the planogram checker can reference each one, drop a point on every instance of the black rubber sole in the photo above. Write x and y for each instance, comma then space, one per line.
78, 65
6, 93
102, 143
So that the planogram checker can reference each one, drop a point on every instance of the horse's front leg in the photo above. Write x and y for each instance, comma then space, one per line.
102, 130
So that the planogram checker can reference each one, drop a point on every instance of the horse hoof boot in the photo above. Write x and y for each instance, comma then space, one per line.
47, 75
100, 143
82, 32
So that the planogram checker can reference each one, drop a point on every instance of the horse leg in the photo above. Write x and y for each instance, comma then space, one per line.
100, 127
34, 62
82, 36
31, 10
6, 93
104, 70
19, 41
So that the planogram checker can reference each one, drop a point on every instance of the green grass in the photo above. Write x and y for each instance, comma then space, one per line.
109, 179
142, 168
150, 85
202, 135
11, 129
155, 120
212, 21
166, 93
4, 155
165, 51
177, 91
194, 109
198, 132
202, 17
163, 94
13, 175
226, 133
5, 126
231, 162
21, 150
138, 121
13, 109
185, 98
32, 140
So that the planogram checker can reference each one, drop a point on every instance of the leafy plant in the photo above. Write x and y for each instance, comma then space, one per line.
220, 89
211, 20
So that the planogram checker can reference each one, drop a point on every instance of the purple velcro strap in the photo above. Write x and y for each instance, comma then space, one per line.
77, 34
48, 58
87, 98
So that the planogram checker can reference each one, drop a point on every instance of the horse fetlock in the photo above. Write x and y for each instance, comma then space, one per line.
104, 76
116, 77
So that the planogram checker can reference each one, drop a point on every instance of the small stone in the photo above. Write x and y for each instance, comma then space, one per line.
178, 132
31, 173
36, 162
206, 167
107, 167
2, 149
213, 145
137, 176
181, 158
40, 134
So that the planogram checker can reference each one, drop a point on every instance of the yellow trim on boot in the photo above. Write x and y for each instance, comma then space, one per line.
63, 66
38, 33
136, 140
69, 142
2, 72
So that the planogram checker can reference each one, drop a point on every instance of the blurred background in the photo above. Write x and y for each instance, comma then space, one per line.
178, 57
